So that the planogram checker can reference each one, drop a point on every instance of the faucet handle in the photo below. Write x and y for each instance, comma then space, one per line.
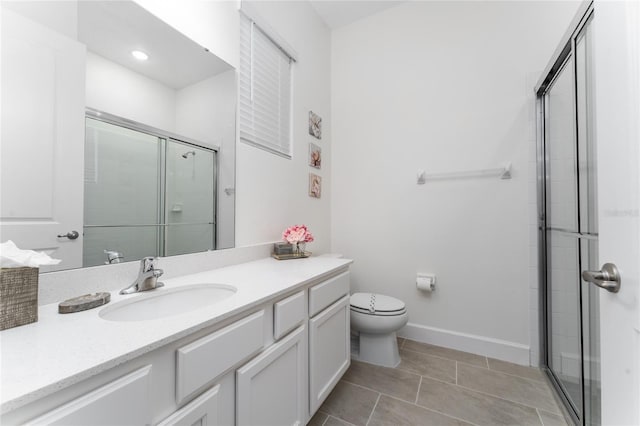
147, 264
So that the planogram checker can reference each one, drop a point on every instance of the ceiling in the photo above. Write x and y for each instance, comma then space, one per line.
112, 29
337, 13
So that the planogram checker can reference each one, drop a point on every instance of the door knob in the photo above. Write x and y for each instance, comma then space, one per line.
608, 277
72, 235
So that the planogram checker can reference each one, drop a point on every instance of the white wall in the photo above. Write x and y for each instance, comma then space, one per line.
117, 90
202, 118
273, 191
442, 86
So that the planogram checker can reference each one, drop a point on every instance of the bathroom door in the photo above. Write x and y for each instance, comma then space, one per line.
41, 158
617, 52
569, 226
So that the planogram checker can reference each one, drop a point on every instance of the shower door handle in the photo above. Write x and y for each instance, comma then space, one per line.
608, 277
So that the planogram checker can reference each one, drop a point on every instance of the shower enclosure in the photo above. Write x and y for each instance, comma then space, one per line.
147, 193
568, 223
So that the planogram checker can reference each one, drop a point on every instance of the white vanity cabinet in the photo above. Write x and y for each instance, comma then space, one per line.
273, 364
204, 360
271, 388
329, 337
287, 383
203, 411
124, 401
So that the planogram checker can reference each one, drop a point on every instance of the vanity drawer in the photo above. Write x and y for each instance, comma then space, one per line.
124, 401
204, 360
324, 294
288, 314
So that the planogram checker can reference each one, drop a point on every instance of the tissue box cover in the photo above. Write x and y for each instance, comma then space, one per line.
18, 296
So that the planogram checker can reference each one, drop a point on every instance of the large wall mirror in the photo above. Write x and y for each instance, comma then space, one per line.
118, 135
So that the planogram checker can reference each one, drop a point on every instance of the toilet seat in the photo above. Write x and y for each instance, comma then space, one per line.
377, 304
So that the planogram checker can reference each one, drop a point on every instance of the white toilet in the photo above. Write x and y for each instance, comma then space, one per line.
376, 318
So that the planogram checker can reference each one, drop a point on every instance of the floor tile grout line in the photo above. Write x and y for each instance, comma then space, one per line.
435, 379
418, 405
505, 399
426, 376
507, 374
441, 347
539, 417
374, 409
531, 367
424, 407
441, 357
518, 376
376, 391
326, 420
468, 363
433, 410
469, 389
413, 373
431, 355
341, 420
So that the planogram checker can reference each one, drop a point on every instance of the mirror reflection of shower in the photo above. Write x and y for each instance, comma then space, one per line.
140, 197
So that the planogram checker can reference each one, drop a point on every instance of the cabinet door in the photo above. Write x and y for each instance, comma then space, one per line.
271, 389
203, 411
329, 350
124, 401
201, 362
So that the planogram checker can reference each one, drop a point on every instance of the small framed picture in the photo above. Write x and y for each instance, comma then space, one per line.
315, 185
315, 156
315, 125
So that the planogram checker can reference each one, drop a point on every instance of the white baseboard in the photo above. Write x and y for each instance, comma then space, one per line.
480, 345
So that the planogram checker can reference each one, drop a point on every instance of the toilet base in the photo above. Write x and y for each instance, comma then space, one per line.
379, 349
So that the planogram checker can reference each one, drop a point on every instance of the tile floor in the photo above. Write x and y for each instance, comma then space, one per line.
440, 386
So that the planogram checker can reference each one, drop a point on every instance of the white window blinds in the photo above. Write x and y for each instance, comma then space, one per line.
265, 91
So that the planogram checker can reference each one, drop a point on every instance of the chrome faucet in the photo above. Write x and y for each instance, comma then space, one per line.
147, 277
113, 257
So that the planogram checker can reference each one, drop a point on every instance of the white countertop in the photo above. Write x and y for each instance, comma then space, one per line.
61, 350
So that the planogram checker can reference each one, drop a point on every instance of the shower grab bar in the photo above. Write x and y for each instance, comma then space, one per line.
148, 225
503, 173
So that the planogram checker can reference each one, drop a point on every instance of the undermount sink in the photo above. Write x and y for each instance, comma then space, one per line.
163, 303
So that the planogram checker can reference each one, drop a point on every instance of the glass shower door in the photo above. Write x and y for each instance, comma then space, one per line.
563, 239
122, 192
190, 198
570, 227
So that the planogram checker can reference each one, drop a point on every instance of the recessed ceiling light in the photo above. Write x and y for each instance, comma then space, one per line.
139, 55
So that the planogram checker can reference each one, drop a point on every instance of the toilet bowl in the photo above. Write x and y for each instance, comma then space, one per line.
376, 318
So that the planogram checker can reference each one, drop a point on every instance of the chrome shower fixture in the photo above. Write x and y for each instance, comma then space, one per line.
186, 154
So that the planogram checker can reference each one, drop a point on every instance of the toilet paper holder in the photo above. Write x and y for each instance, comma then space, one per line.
426, 282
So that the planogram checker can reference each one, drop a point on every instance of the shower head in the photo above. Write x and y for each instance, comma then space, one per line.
186, 154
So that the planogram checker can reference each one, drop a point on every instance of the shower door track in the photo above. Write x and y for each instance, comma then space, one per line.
139, 127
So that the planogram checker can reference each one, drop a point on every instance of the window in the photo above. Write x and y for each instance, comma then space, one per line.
265, 90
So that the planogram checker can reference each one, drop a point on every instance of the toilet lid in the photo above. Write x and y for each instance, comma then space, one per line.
376, 304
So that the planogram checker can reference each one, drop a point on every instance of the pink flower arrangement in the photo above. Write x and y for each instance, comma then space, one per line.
297, 234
